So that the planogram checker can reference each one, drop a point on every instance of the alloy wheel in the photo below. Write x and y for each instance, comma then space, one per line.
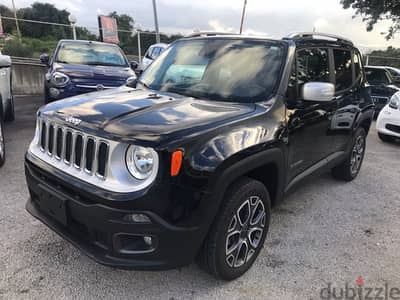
245, 232
357, 154
2, 145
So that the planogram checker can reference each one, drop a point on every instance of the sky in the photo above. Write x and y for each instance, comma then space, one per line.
274, 18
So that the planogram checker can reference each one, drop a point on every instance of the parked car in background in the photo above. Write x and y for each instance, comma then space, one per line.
187, 163
382, 86
394, 72
151, 54
388, 122
2, 142
79, 67
7, 103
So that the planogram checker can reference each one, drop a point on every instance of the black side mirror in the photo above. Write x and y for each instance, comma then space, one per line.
44, 59
134, 65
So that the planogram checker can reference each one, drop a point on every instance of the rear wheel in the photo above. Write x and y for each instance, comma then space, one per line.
2, 145
349, 169
385, 138
239, 230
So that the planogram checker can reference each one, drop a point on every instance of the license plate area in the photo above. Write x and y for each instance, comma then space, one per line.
53, 204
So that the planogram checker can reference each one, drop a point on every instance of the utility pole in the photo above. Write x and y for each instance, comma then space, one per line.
139, 45
72, 21
156, 21
243, 13
16, 21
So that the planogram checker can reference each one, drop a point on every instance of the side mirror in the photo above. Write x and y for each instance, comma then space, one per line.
44, 59
5, 61
134, 65
318, 91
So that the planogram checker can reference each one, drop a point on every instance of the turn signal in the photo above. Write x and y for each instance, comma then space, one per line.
176, 162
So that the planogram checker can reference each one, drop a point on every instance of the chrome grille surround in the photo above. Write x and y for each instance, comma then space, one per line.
116, 177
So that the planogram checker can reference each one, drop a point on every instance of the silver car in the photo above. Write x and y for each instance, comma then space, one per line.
7, 103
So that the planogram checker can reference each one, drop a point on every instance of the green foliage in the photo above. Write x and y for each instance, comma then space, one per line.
388, 57
373, 11
15, 48
43, 38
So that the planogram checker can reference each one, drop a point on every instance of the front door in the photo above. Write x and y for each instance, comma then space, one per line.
309, 122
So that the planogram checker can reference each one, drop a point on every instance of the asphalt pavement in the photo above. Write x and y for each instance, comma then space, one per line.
323, 236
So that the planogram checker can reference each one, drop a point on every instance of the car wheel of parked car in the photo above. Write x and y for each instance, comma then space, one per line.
349, 169
9, 113
2, 145
239, 230
385, 138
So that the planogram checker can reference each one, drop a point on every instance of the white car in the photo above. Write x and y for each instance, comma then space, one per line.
7, 103
151, 54
388, 122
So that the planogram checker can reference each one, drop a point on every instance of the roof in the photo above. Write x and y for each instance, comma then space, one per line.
298, 37
87, 41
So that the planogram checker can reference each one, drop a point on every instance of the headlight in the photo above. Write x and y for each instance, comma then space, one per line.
141, 161
131, 80
395, 101
59, 79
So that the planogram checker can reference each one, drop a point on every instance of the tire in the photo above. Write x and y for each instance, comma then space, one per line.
9, 115
385, 138
349, 169
2, 145
231, 248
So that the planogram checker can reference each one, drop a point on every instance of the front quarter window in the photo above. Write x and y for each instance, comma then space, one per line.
234, 70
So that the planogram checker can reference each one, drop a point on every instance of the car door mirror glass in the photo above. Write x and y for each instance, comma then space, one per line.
44, 59
318, 91
134, 65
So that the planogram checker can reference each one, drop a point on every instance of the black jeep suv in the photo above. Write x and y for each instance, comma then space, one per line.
187, 163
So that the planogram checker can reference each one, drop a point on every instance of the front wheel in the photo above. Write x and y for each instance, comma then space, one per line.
2, 145
239, 230
349, 169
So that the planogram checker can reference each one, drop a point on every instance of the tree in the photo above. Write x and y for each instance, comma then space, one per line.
8, 25
47, 13
373, 11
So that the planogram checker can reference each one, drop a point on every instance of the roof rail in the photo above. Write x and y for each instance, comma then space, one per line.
320, 35
208, 33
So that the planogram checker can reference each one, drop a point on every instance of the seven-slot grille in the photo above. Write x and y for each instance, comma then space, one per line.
85, 152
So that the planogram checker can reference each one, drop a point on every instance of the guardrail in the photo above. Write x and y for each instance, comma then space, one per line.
26, 61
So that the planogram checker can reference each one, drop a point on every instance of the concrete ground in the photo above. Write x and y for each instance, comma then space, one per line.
326, 234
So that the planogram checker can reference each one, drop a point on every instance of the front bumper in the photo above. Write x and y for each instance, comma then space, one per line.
388, 122
102, 232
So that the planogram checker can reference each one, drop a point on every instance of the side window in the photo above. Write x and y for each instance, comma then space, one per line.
343, 71
312, 65
376, 76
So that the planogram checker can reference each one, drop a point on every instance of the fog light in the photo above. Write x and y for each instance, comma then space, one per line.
137, 218
148, 240
54, 92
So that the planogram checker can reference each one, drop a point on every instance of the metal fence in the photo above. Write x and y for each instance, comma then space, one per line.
134, 42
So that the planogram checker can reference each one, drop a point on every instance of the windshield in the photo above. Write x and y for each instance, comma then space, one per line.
234, 70
91, 54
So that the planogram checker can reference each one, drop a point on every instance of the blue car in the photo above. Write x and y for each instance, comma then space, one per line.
79, 67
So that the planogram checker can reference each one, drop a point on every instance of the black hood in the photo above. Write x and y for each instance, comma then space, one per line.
144, 115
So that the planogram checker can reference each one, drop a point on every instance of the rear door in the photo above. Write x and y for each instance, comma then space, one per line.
350, 95
309, 122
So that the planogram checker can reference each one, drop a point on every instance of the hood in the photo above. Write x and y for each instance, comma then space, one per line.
144, 115
91, 72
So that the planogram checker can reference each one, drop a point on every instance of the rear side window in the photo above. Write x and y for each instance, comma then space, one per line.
376, 76
343, 71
